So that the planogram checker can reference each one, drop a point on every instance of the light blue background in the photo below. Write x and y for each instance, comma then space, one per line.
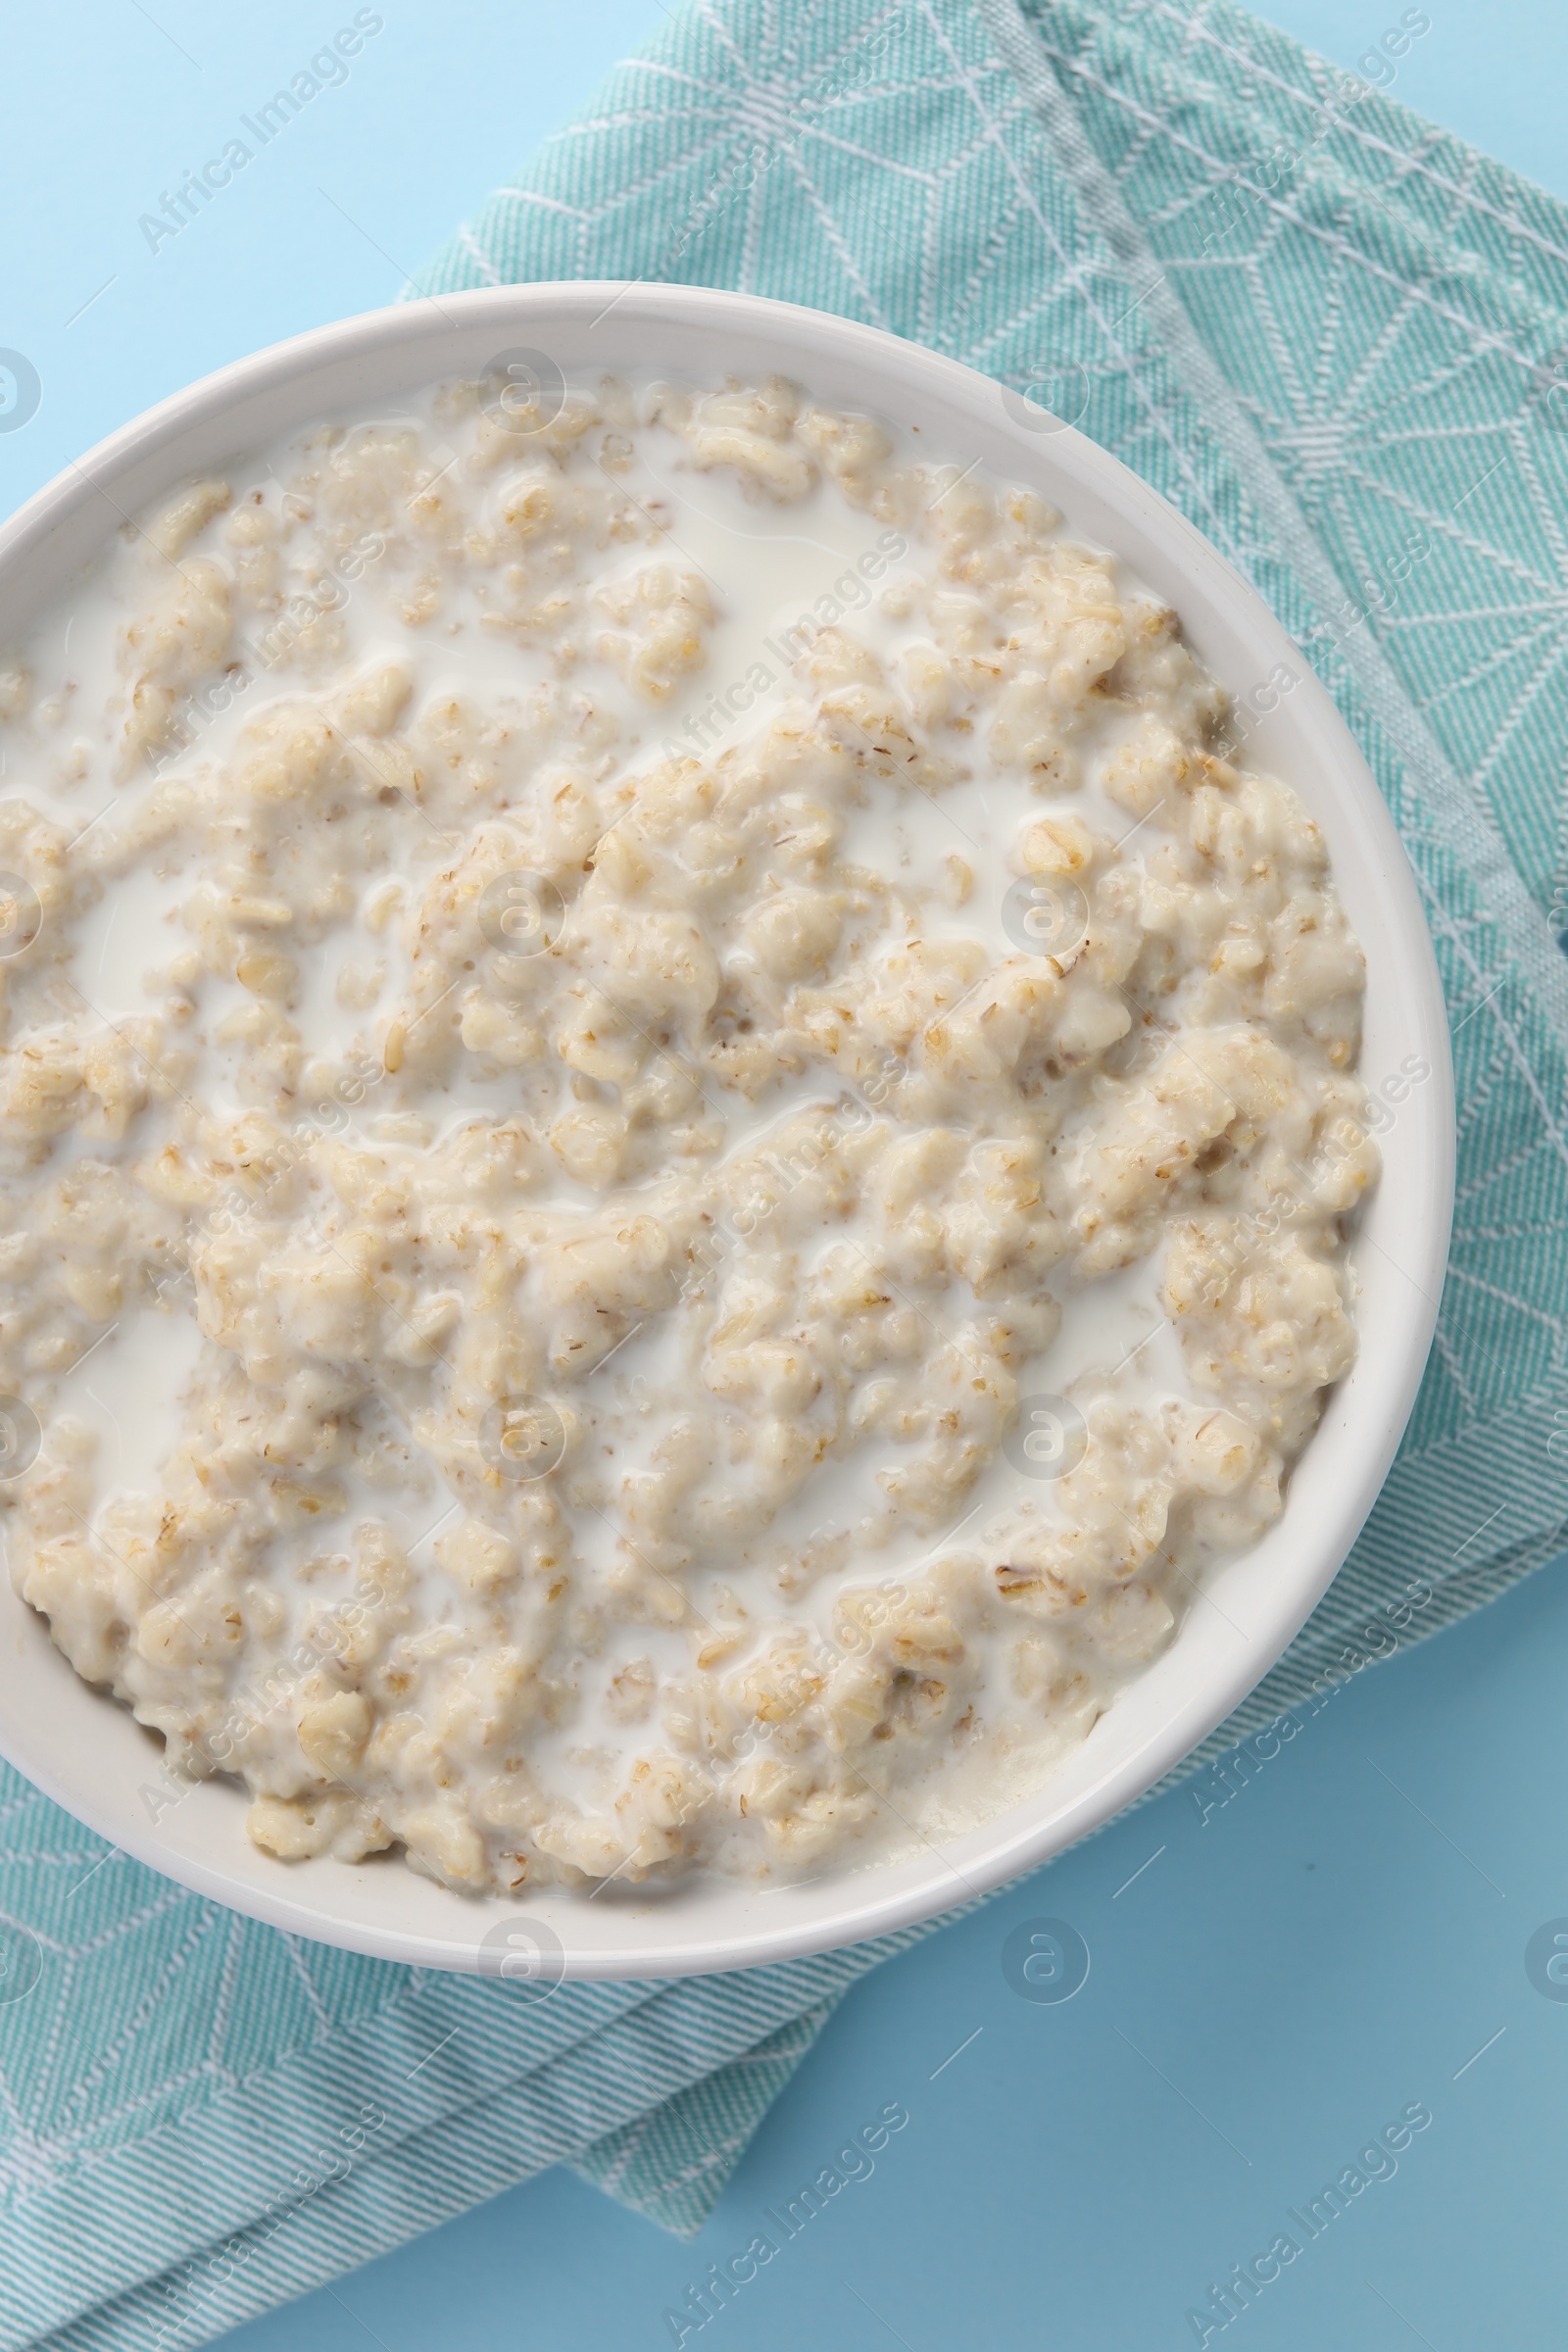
1290, 1971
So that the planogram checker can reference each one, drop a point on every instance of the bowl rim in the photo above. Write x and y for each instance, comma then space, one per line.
281, 1894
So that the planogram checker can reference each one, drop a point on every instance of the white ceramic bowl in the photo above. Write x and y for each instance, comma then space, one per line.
86, 1751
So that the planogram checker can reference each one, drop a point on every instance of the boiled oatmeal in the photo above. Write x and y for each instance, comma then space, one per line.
708, 1121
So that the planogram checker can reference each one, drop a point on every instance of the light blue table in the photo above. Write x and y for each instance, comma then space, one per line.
1274, 1980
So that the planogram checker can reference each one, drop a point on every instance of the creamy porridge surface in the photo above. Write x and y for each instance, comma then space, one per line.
677, 1133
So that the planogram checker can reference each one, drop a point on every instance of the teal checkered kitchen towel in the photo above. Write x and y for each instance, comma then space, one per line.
1332, 335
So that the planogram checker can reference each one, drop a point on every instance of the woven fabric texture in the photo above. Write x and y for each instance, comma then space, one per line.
1330, 334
